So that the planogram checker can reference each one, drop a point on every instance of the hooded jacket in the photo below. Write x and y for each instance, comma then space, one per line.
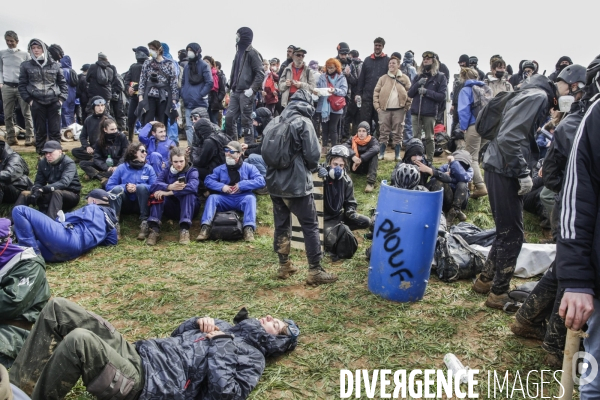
372, 69
59, 176
465, 101
557, 69
100, 78
517, 78
384, 89
307, 79
247, 70
457, 171
188, 365
349, 204
133, 75
42, 81
437, 87
511, 152
91, 126
67, 69
207, 151
296, 180
498, 85
196, 95
13, 169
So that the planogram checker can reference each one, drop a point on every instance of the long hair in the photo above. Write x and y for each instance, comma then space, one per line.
435, 67
210, 60
132, 150
336, 63
468, 73
105, 122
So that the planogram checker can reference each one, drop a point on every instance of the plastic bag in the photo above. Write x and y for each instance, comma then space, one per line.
473, 234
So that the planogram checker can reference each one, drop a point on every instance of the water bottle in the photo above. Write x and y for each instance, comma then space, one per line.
358, 101
109, 161
456, 366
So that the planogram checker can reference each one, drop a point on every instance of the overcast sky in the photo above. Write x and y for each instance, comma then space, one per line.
538, 30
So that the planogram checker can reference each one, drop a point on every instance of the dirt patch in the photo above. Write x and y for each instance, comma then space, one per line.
265, 231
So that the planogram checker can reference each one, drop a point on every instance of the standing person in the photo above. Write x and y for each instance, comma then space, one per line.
409, 70
473, 61
506, 164
458, 84
10, 68
222, 80
288, 60
82, 93
295, 76
428, 92
196, 84
68, 107
291, 192
132, 84
331, 114
217, 92
42, 85
497, 79
269, 88
345, 59
100, 78
561, 64
390, 99
352, 116
96, 109
373, 68
158, 92
246, 80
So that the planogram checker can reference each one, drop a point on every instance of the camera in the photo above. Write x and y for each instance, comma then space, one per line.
154, 77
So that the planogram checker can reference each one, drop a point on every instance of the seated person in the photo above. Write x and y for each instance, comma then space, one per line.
131, 183
260, 119
175, 195
71, 234
363, 158
236, 180
453, 178
56, 185
204, 358
111, 144
154, 136
13, 174
90, 132
24, 291
207, 150
415, 151
252, 151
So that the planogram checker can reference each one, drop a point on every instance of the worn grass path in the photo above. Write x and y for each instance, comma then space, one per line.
147, 292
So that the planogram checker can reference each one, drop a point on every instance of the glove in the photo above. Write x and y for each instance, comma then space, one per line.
60, 215
422, 81
46, 189
321, 172
526, 184
32, 200
422, 91
248, 92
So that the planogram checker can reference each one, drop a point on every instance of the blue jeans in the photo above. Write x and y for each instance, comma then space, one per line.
408, 133
131, 203
67, 114
258, 161
245, 203
592, 346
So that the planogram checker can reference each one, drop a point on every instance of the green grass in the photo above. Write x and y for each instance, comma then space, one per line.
147, 292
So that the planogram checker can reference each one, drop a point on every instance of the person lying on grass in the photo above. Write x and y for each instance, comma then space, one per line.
204, 358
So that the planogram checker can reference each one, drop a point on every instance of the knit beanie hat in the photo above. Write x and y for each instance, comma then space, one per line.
464, 58
365, 125
102, 57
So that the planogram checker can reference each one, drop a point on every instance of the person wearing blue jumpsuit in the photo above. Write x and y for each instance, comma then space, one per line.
67, 238
154, 136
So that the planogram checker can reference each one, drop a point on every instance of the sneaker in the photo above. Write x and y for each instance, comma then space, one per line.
461, 216
184, 236
204, 233
369, 188
143, 231
481, 287
286, 270
480, 191
498, 301
248, 234
152, 238
380, 157
13, 142
318, 276
527, 330
262, 191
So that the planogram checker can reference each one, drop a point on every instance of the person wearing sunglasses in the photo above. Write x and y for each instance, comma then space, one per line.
90, 132
428, 92
295, 76
203, 358
234, 181
130, 183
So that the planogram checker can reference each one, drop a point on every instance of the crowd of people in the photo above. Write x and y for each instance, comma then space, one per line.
264, 131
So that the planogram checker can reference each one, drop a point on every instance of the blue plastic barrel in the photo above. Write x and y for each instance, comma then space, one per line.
404, 240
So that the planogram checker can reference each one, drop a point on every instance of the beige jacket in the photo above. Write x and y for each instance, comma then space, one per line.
307, 79
384, 88
498, 85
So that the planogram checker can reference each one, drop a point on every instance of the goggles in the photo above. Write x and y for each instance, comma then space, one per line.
339, 151
292, 328
428, 54
99, 102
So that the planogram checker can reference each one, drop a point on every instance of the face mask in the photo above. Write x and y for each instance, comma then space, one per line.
153, 54
191, 55
230, 161
564, 103
561, 67
173, 170
499, 74
427, 67
336, 172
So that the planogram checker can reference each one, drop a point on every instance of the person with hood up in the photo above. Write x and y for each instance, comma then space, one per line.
415, 155
204, 358
561, 64
14, 173
207, 150
363, 156
253, 151
352, 115
130, 183
527, 69
245, 81
498, 78
196, 84
291, 192
409, 70
390, 99
68, 107
24, 291
132, 82
473, 61
295, 76
82, 93
175, 194
90, 132
234, 182
10, 67
154, 136
428, 92
336, 86
507, 163
466, 122
42, 85
70, 235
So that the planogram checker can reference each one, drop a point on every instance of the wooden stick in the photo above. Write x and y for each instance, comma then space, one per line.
571, 347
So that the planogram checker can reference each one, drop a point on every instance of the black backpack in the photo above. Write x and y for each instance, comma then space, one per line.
221, 140
226, 226
277, 144
455, 259
73, 79
490, 117
104, 76
341, 241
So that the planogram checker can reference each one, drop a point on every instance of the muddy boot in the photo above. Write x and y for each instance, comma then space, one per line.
498, 301
525, 329
480, 286
13, 141
143, 231
184, 236
29, 141
204, 233
553, 360
451, 216
286, 270
480, 191
152, 238
461, 216
369, 188
248, 234
318, 276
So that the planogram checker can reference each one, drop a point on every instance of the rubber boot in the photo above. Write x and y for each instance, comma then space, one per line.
397, 151
480, 191
381, 151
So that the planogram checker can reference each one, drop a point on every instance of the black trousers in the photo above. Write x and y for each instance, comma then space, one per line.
81, 154
369, 114
93, 171
330, 130
51, 203
156, 111
8, 193
117, 110
507, 210
131, 117
369, 168
304, 209
351, 119
453, 198
46, 123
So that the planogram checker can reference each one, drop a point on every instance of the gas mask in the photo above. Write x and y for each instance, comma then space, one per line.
336, 172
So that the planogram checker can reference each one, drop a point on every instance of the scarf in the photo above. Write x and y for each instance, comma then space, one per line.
234, 172
325, 106
357, 142
373, 56
334, 195
215, 76
135, 164
195, 77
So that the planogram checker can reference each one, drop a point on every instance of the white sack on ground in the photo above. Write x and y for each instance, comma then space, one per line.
534, 259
